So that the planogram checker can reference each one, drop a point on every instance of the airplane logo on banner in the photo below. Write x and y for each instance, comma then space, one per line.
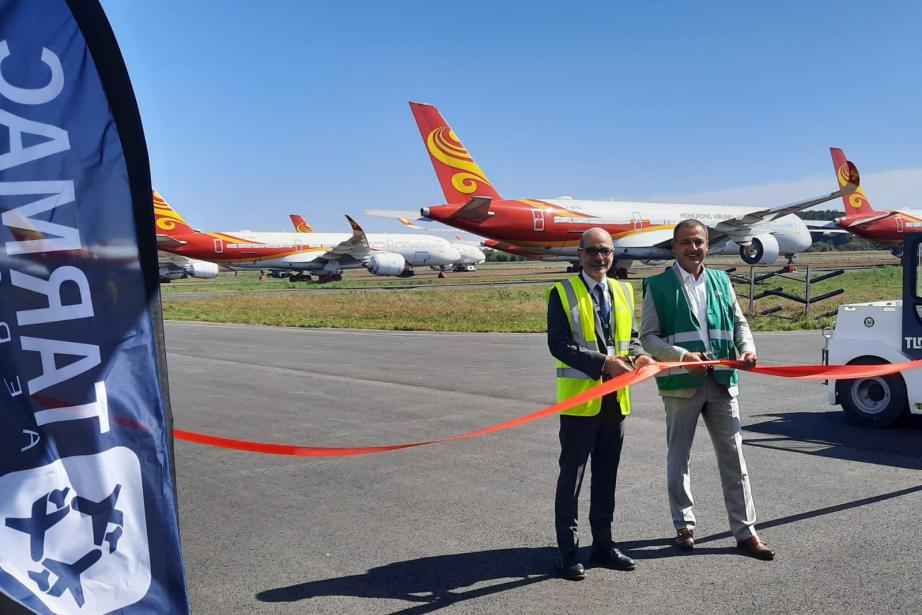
72, 535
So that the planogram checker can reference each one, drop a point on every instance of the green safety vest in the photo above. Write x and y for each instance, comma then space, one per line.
577, 304
678, 327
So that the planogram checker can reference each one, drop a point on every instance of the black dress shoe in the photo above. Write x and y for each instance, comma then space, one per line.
570, 568
613, 558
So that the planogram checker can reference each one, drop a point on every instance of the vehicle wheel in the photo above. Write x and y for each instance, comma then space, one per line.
873, 402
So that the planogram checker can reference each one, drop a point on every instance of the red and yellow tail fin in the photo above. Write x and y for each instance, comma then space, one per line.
301, 224
856, 202
458, 174
167, 220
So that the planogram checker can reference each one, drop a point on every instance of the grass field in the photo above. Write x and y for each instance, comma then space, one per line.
489, 308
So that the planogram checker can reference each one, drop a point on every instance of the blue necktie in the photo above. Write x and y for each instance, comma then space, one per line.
604, 309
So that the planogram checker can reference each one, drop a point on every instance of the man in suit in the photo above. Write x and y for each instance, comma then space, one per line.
591, 333
690, 314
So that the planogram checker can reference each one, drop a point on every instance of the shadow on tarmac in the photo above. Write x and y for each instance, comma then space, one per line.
828, 510
829, 434
436, 582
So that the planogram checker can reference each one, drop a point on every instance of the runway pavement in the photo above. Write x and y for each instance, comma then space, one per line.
467, 527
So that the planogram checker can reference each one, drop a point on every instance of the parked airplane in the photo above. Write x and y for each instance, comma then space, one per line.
325, 253
471, 255
883, 226
639, 230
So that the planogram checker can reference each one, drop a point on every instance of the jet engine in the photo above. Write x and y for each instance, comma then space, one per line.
168, 275
386, 263
763, 250
201, 269
191, 269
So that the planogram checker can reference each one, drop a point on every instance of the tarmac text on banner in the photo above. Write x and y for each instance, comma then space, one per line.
88, 518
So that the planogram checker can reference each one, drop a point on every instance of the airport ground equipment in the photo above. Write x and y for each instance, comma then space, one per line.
876, 333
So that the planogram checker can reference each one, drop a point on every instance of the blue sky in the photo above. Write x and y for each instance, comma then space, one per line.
254, 110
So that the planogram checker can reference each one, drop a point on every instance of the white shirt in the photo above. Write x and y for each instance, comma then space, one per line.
696, 292
592, 284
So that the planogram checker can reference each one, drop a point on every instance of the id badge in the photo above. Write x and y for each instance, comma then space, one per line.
611, 350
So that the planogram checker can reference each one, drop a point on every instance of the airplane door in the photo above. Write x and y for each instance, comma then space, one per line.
637, 220
899, 224
420, 258
537, 217
297, 245
218, 246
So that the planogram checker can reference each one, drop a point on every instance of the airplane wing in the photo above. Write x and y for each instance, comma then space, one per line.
824, 227
406, 218
174, 267
168, 258
477, 209
356, 246
165, 241
407, 223
740, 229
393, 213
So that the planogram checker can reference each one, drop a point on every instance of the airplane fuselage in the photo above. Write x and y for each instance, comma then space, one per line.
886, 230
298, 251
554, 226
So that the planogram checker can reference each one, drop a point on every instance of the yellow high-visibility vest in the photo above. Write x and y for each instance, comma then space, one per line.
577, 304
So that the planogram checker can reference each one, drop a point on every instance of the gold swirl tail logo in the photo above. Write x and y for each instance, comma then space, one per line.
166, 217
445, 147
856, 199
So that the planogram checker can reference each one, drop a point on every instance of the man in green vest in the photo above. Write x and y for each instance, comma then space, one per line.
591, 333
690, 314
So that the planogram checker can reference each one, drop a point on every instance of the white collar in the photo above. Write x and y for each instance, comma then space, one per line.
688, 278
590, 281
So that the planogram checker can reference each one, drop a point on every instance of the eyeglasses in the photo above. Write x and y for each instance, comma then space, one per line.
595, 251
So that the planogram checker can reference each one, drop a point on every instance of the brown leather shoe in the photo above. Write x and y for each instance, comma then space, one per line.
754, 547
686, 539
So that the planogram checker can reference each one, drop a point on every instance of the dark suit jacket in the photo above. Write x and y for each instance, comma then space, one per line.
560, 343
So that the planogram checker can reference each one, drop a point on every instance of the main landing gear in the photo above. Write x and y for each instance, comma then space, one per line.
789, 266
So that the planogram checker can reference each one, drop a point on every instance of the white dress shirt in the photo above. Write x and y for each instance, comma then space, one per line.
696, 292
592, 284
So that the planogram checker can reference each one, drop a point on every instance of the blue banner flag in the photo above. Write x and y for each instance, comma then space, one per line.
88, 519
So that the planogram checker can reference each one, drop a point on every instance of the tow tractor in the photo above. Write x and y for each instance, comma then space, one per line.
876, 333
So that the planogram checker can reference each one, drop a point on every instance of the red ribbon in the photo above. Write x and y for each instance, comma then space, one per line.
798, 372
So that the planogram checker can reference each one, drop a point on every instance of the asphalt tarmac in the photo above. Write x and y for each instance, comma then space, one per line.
467, 527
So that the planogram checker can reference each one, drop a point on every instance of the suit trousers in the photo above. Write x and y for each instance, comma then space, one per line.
581, 437
722, 418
